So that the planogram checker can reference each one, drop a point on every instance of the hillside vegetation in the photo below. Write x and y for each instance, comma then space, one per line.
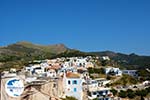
131, 61
126, 80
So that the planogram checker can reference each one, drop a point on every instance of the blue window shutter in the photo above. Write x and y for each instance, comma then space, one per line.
74, 81
75, 89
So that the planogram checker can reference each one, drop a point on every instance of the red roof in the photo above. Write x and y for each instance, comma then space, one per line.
72, 75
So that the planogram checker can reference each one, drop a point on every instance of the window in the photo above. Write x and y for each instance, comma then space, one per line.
75, 89
94, 93
68, 82
75, 82
54, 85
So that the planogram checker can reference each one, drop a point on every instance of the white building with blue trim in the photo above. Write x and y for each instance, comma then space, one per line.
72, 84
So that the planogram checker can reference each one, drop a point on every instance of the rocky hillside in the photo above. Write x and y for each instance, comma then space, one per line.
131, 61
27, 50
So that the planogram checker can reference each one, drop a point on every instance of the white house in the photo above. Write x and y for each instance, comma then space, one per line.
13, 70
146, 83
35, 69
44, 65
81, 62
114, 71
68, 69
51, 73
72, 84
102, 81
100, 92
105, 58
66, 64
39, 70
130, 72
92, 84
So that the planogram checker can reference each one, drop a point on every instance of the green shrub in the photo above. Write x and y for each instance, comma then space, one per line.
122, 94
69, 98
130, 93
114, 92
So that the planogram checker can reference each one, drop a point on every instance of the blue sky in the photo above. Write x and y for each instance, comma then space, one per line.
87, 25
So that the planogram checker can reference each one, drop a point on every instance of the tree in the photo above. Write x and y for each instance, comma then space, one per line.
108, 77
142, 93
130, 93
114, 92
142, 98
104, 62
108, 85
95, 70
144, 74
148, 89
122, 94
91, 70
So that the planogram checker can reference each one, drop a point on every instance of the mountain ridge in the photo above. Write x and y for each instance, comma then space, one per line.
25, 43
24, 51
128, 61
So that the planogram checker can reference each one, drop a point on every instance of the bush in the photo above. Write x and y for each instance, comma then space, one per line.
142, 98
95, 70
95, 99
122, 94
114, 92
70, 98
130, 93
148, 89
126, 80
108, 77
142, 93
108, 85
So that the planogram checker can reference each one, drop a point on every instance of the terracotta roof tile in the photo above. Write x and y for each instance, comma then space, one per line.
72, 75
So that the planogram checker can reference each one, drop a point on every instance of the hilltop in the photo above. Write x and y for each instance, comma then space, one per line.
26, 49
18, 54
